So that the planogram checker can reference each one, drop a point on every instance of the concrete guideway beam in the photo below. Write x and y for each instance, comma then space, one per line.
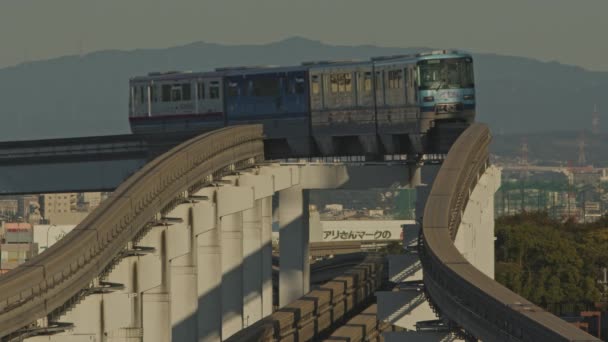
475, 240
206, 272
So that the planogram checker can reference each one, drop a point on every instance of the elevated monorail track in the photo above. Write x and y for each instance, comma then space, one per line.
463, 294
46, 285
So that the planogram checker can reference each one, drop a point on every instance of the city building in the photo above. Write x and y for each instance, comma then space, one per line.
16, 245
61, 209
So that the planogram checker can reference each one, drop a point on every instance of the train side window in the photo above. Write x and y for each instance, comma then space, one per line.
367, 81
348, 84
341, 83
176, 93
214, 90
186, 92
142, 95
333, 81
134, 94
267, 87
315, 85
200, 90
394, 79
379, 80
166, 93
233, 89
249, 91
299, 85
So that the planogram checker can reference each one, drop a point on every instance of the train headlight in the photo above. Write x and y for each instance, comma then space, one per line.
428, 99
469, 97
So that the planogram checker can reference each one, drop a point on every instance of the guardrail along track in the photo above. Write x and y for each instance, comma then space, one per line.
321, 309
44, 285
463, 294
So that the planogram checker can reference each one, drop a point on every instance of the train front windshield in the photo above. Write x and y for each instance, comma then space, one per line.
451, 73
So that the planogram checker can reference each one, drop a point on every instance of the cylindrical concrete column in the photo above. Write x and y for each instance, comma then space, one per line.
182, 273
209, 270
156, 316
156, 312
252, 264
266, 241
232, 273
294, 264
184, 303
415, 174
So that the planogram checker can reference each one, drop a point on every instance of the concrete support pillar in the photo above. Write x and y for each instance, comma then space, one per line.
184, 303
156, 316
266, 256
209, 267
182, 275
294, 265
232, 273
258, 253
415, 174
156, 306
252, 264
122, 321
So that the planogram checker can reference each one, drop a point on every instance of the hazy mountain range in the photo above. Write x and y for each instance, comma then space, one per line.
87, 95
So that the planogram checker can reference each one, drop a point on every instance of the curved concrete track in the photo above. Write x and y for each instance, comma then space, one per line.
463, 294
49, 283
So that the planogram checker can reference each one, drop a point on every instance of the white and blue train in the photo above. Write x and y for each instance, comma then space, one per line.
390, 105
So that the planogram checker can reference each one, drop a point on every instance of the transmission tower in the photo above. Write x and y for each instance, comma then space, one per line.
582, 159
523, 160
595, 121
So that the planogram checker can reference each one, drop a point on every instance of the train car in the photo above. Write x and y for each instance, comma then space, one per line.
446, 95
276, 97
176, 102
342, 108
418, 95
397, 109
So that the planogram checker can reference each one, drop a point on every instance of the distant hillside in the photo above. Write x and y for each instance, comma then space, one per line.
80, 96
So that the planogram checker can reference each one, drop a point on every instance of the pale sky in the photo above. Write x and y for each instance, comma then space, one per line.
568, 31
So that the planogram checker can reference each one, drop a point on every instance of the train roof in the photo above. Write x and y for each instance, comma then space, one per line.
175, 76
258, 70
329, 64
305, 66
436, 54
442, 54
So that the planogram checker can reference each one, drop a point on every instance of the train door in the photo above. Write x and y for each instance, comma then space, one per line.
412, 94
139, 100
379, 87
316, 90
199, 99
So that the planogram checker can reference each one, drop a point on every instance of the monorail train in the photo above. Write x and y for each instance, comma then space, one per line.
389, 105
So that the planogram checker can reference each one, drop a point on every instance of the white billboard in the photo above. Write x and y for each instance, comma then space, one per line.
363, 230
